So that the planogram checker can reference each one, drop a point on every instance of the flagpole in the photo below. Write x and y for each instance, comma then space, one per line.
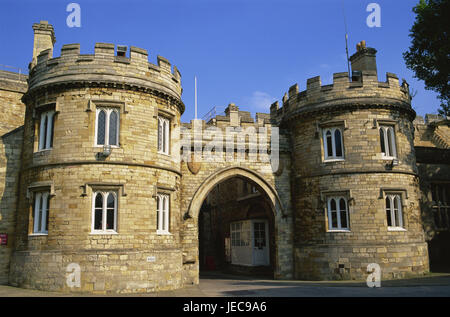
195, 79
346, 41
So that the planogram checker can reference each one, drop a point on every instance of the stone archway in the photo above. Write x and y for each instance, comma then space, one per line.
283, 262
229, 172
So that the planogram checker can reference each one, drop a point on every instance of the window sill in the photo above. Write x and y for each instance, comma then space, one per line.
163, 233
333, 160
389, 158
43, 151
396, 229
339, 230
112, 146
37, 234
95, 233
166, 154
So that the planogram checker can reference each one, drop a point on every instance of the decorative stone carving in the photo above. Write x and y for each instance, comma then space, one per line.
194, 167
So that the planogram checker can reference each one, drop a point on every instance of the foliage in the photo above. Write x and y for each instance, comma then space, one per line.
429, 54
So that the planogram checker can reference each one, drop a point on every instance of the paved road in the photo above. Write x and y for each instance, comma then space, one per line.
435, 285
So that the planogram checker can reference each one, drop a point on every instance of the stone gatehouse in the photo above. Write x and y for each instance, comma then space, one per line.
94, 175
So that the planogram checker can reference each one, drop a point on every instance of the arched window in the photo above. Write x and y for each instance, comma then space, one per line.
387, 142
101, 127
162, 214
329, 144
163, 135
394, 211
46, 128
41, 208
104, 212
343, 212
110, 211
388, 212
333, 145
333, 213
113, 127
107, 127
44, 131
338, 214
383, 146
98, 211
338, 142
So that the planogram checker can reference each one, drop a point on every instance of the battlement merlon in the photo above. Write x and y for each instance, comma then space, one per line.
106, 66
367, 90
362, 89
232, 116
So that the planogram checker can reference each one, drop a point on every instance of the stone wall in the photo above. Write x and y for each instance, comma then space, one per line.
12, 87
363, 176
135, 258
200, 178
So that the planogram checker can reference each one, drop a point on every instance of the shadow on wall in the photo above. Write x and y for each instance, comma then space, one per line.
9, 179
438, 240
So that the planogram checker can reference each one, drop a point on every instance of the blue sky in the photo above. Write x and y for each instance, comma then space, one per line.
248, 52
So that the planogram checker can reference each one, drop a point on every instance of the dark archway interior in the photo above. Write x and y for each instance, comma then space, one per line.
439, 252
236, 230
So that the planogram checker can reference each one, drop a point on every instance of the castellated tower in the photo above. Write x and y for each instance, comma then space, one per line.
90, 143
354, 176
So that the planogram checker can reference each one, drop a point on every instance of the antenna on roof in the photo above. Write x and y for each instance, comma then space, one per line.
195, 80
346, 41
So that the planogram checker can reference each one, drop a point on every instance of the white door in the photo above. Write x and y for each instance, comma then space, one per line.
260, 243
241, 245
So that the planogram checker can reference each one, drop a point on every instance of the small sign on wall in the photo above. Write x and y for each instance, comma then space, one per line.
151, 259
3, 239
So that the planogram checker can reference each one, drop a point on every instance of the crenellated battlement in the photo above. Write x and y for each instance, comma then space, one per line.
363, 89
110, 64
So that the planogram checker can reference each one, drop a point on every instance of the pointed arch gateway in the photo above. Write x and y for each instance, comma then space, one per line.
282, 264
227, 173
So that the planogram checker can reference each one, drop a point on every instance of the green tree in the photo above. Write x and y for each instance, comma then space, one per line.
429, 54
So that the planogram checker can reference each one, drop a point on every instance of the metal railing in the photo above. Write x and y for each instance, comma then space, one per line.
14, 70
215, 111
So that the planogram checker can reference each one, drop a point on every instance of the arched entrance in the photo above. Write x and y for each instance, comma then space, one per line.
208, 184
236, 229
278, 223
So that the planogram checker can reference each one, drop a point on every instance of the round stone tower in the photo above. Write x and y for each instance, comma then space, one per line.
355, 182
99, 208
